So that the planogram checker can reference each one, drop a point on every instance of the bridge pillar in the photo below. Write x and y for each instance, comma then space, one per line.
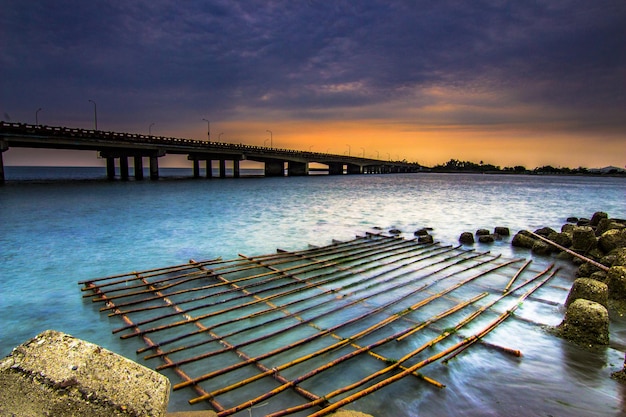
154, 167
1, 168
196, 168
124, 167
222, 168
110, 167
354, 169
335, 168
297, 169
138, 164
236, 172
275, 169
209, 169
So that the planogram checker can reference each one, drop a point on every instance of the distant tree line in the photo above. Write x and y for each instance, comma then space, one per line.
455, 165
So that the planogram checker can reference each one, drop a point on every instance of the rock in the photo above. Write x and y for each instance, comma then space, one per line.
608, 224
466, 238
523, 240
583, 239
597, 216
586, 269
616, 281
542, 248
486, 239
589, 289
563, 239
612, 239
599, 276
421, 232
583, 222
568, 228
482, 232
545, 231
502, 231
572, 219
425, 239
586, 322
58, 375
395, 231
619, 257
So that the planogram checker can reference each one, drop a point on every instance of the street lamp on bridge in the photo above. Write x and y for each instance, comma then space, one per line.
36, 116
208, 129
219, 137
349, 149
95, 114
150, 129
271, 138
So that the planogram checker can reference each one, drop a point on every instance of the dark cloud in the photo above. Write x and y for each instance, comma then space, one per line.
314, 59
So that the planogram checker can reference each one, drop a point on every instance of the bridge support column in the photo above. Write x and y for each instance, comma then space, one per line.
297, 169
222, 168
1, 168
110, 167
354, 169
236, 170
275, 169
124, 167
209, 169
196, 168
138, 165
154, 167
335, 168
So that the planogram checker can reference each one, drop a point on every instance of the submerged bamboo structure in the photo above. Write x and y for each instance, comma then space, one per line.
276, 324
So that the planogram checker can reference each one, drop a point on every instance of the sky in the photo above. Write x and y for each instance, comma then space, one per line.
529, 83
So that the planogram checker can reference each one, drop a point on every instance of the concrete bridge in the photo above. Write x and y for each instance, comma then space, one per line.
122, 146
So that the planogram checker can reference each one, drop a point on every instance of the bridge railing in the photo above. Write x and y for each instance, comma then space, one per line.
59, 131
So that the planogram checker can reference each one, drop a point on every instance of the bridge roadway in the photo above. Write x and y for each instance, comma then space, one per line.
122, 146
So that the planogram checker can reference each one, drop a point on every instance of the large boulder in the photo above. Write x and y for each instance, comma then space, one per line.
618, 257
583, 239
586, 322
502, 231
612, 239
597, 216
542, 248
608, 224
466, 238
588, 289
616, 282
523, 240
563, 239
544, 231
56, 374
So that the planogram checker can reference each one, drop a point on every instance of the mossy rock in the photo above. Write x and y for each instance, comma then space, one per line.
616, 282
588, 289
586, 323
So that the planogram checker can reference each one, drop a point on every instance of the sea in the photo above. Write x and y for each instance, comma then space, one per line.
61, 225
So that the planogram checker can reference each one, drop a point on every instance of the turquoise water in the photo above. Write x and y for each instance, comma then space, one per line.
60, 226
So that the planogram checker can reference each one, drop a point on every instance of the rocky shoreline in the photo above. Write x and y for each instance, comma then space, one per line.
597, 245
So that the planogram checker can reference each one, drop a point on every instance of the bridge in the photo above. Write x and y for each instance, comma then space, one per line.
114, 146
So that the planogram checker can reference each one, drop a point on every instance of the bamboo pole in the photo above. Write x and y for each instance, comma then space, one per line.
401, 374
216, 405
212, 314
514, 277
326, 366
89, 282
571, 252
335, 362
281, 307
315, 266
327, 331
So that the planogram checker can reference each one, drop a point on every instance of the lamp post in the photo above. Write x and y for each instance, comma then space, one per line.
208, 129
271, 138
219, 137
349, 150
363, 152
95, 114
37, 117
150, 129
265, 143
